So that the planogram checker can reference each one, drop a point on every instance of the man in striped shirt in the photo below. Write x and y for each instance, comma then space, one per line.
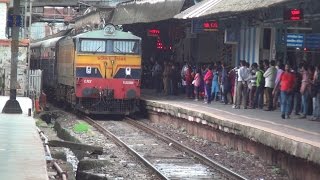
253, 79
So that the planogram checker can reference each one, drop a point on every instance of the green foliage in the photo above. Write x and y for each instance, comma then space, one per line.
81, 127
40, 123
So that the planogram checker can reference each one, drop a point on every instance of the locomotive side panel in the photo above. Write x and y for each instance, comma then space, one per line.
65, 62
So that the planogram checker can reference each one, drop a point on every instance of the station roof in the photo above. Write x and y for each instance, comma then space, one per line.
145, 11
224, 7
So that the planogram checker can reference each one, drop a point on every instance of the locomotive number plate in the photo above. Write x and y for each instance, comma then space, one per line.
87, 81
128, 82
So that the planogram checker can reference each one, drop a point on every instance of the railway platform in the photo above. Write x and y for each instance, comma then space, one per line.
22, 155
294, 138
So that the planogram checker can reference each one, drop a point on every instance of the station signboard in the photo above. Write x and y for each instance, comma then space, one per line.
308, 41
14, 20
312, 41
295, 40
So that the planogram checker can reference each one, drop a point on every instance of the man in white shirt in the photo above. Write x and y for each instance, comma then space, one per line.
270, 77
242, 85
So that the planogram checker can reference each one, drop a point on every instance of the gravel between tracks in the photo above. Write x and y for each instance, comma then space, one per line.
171, 162
245, 164
123, 165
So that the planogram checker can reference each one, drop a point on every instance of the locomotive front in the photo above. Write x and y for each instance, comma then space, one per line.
107, 71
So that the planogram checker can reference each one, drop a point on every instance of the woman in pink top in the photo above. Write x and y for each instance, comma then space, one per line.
196, 83
208, 84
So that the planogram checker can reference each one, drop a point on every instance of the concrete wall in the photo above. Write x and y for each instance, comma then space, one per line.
207, 47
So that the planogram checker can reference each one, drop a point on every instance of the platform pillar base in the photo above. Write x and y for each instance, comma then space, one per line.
12, 107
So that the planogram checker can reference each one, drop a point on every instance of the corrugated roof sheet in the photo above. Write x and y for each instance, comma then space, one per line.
46, 43
213, 7
144, 11
100, 34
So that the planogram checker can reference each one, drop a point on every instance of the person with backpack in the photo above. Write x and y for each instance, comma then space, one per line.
260, 83
296, 95
316, 95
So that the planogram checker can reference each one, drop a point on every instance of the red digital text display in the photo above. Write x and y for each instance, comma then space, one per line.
294, 15
210, 26
154, 32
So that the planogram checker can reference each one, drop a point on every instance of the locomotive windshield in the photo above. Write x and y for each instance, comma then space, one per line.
109, 46
93, 46
125, 47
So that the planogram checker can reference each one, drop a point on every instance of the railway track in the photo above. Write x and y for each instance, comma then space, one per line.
168, 158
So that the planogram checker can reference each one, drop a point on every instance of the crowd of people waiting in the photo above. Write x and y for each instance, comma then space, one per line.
266, 85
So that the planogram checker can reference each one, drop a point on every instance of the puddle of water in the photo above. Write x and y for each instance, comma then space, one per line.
71, 158
184, 171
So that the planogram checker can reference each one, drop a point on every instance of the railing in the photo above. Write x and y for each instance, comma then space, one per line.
34, 83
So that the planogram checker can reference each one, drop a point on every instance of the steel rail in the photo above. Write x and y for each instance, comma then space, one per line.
186, 149
47, 149
60, 171
122, 144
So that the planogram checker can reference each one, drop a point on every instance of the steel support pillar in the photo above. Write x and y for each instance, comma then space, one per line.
12, 106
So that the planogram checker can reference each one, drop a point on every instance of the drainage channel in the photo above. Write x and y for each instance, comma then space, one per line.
162, 154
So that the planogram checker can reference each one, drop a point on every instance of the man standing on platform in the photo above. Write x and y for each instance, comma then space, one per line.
156, 73
260, 87
276, 92
253, 82
286, 85
242, 85
270, 77
166, 72
316, 98
305, 91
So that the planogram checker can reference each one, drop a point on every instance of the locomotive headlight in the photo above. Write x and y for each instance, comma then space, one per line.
128, 71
